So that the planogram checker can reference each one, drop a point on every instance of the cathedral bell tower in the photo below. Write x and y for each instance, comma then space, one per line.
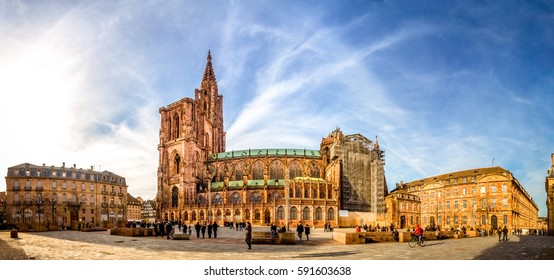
191, 131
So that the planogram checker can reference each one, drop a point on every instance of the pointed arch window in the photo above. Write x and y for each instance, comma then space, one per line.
280, 213
295, 170
306, 213
239, 171
255, 197
314, 170
293, 213
176, 132
330, 214
177, 162
258, 171
318, 214
217, 199
276, 170
174, 197
235, 198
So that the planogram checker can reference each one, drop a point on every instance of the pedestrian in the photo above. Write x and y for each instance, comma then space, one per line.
273, 230
168, 229
197, 228
299, 230
248, 235
505, 233
209, 230
499, 232
162, 229
203, 230
307, 232
190, 229
214, 228
156, 230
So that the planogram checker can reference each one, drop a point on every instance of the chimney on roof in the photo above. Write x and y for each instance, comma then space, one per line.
552, 155
92, 168
63, 164
74, 165
44, 164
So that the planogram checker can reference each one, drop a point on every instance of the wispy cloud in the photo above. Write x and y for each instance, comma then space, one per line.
445, 88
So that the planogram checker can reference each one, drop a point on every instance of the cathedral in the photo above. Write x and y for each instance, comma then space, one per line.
199, 181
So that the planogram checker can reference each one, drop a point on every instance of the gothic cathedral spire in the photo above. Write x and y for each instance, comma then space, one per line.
209, 75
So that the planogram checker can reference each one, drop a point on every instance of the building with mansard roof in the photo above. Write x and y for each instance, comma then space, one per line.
134, 208
485, 198
200, 181
48, 197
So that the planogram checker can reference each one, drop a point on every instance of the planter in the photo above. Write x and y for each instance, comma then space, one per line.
13, 234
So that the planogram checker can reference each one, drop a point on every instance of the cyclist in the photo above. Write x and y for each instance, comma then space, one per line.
418, 232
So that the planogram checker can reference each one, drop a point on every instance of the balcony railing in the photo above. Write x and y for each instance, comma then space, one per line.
16, 188
104, 204
28, 188
112, 205
39, 188
27, 203
104, 192
112, 193
120, 194
17, 203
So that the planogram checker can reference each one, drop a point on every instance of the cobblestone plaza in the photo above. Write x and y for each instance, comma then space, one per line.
75, 245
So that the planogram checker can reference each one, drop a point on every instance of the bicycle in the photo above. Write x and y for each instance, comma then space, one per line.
415, 240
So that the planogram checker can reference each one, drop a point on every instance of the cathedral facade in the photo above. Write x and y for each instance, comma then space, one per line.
199, 181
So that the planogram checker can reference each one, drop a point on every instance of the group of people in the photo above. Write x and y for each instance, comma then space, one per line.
201, 229
303, 229
502, 234
238, 226
167, 229
164, 229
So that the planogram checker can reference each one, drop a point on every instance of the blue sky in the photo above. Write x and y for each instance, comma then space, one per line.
445, 85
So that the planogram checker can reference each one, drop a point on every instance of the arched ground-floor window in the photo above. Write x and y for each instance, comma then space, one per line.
293, 213
318, 214
281, 213
306, 213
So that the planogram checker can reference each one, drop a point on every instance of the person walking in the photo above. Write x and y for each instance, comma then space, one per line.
197, 228
214, 228
307, 232
499, 232
248, 235
161, 226
156, 230
299, 230
203, 230
505, 233
273, 229
210, 230
168, 229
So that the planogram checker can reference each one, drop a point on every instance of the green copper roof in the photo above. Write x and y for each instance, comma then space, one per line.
267, 152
